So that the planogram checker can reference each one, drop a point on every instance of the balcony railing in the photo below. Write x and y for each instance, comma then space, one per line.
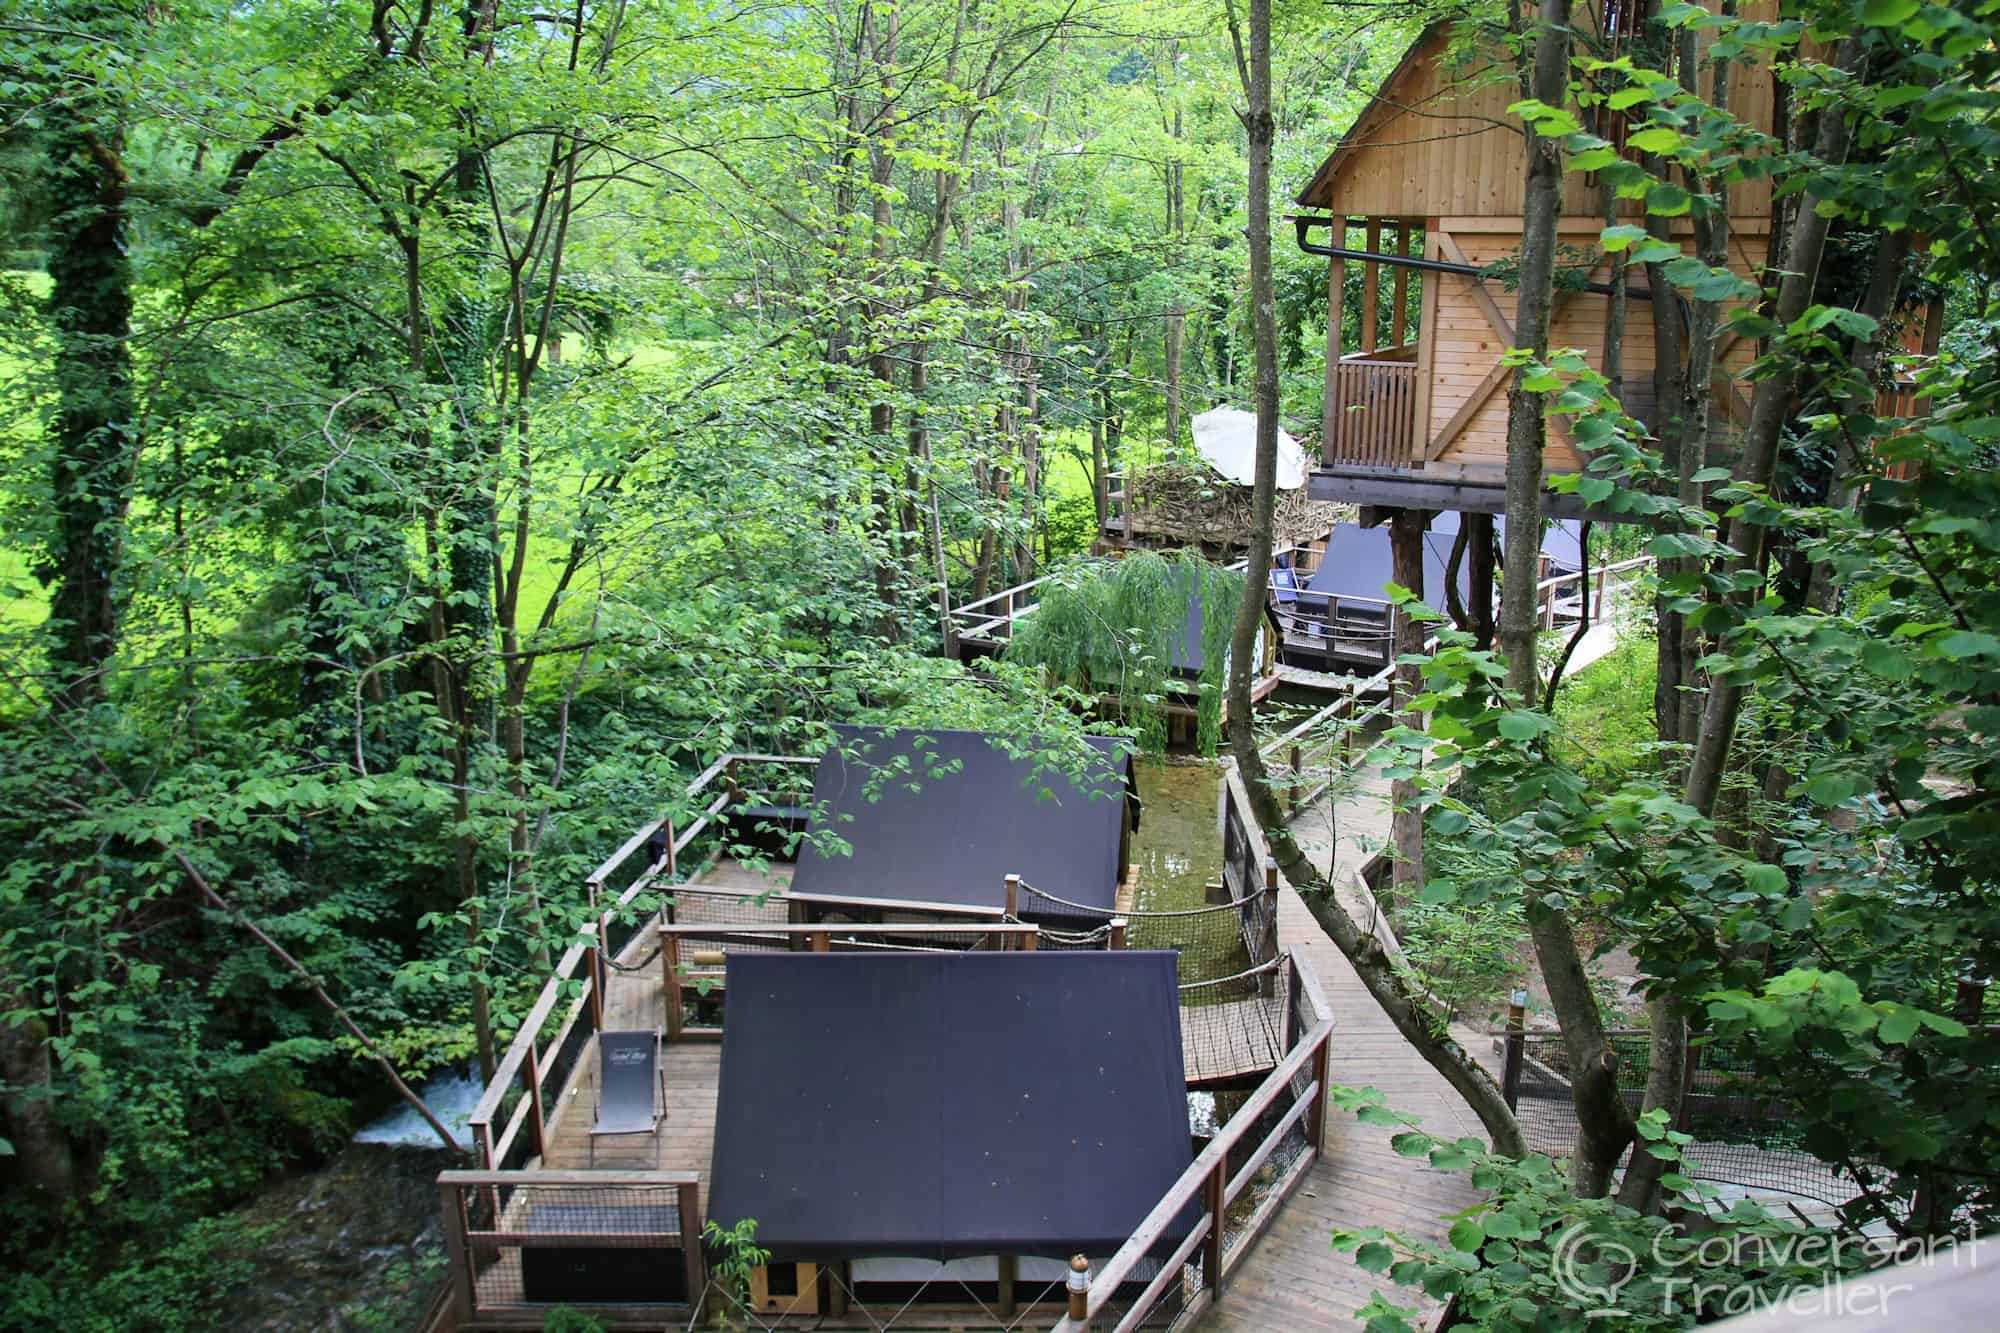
1372, 416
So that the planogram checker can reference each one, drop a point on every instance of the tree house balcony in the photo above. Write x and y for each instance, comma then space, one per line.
1372, 410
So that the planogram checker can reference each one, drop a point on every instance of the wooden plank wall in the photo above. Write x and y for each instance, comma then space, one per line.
1439, 141
1463, 345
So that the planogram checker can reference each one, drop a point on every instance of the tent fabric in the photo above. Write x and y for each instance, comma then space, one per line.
1227, 438
945, 816
943, 1106
1357, 561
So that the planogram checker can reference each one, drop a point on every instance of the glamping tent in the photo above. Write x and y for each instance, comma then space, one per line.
933, 821
907, 1119
1339, 613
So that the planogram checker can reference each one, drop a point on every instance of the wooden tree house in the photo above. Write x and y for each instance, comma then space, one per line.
1428, 185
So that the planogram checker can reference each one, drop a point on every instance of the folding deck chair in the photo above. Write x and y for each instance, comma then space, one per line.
631, 1086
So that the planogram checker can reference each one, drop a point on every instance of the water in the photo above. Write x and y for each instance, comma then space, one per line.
452, 1097
1179, 846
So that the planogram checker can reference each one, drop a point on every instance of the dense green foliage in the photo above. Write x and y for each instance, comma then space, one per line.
1145, 631
428, 437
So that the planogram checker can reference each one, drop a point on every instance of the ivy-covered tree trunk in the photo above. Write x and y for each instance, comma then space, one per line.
1384, 983
1526, 426
94, 445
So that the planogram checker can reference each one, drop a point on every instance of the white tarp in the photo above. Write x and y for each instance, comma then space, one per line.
1227, 438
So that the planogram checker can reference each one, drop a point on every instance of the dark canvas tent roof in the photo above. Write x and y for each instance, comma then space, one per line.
1357, 563
936, 816
948, 1105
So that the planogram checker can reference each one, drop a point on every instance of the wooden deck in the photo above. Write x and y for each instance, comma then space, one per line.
1232, 1041
1292, 1278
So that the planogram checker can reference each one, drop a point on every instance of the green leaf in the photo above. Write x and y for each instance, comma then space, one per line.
1524, 724
1621, 237
1667, 200
1767, 880
1887, 13
1899, 1025
1655, 139
1467, 1236
1374, 1257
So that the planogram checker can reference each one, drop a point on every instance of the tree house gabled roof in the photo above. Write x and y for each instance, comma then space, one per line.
1437, 140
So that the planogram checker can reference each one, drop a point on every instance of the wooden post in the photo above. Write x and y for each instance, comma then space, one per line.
1336, 314
1316, 1117
1007, 1271
1371, 285
1517, 1044
1013, 897
688, 1205
1479, 538
1214, 1190
821, 941
1401, 290
453, 1200
1079, 1290
1030, 940
670, 963
1271, 910
1118, 928
531, 1080
596, 985
1296, 776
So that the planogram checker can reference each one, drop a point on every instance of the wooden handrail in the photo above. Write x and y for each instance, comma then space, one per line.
900, 928
593, 1177
1215, 1157
1105, 1284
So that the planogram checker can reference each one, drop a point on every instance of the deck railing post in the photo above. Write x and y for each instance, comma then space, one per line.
820, 941
1270, 931
594, 980
670, 965
453, 1199
1296, 775
1012, 889
1517, 1042
1316, 1116
1079, 1291
1119, 926
1215, 1190
531, 1081
688, 1206
1602, 573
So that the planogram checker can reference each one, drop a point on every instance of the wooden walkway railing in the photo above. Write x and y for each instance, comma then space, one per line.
1295, 1093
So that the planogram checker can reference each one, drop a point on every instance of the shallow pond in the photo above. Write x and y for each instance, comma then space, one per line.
1179, 846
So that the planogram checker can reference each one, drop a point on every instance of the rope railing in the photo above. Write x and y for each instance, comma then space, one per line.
1135, 914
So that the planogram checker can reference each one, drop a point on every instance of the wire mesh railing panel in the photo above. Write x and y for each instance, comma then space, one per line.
1744, 1136
617, 1243
734, 917
1209, 946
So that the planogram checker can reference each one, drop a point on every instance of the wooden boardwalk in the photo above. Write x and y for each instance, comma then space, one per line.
1292, 1278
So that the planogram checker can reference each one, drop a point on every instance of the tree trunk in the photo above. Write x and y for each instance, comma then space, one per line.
1604, 1122
40, 1145
1479, 528
1383, 983
1526, 427
95, 441
1406, 820
1891, 252
1769, 408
